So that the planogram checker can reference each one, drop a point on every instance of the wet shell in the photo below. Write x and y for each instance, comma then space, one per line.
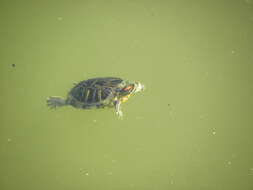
96, 92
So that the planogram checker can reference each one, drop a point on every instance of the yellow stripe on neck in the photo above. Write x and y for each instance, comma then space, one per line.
125, 98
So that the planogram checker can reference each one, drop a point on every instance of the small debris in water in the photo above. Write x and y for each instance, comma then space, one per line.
13, 65
171, 182
228, 163
94, 121
84, 171
168, 104
233, 51
113, 161
214, 132
59, 18
9, 139
109, 173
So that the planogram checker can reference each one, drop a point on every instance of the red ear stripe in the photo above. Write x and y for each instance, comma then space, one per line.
128, 88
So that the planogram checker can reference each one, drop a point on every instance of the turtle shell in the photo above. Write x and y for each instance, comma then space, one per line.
96, 92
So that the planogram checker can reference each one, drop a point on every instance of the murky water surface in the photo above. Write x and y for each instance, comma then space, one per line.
190, 129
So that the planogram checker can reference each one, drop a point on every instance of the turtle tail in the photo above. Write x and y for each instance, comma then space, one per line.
55, 101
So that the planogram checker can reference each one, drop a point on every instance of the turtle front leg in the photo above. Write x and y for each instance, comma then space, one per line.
118, 109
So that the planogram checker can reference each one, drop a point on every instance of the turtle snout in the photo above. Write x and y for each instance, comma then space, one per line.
139, 87
142, 87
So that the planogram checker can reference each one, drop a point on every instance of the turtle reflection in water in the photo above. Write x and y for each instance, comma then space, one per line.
98, 93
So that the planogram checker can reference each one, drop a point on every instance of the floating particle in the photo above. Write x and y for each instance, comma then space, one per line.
13, 65
214, 131
59, 18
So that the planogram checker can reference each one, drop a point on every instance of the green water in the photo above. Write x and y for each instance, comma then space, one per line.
192, 128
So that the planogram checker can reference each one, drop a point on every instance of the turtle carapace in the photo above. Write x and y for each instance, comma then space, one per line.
98, 93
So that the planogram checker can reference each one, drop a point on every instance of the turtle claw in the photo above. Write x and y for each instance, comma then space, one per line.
118, 110
50, 104
53, 102
119, 114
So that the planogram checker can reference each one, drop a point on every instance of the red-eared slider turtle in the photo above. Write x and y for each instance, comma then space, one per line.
98, 93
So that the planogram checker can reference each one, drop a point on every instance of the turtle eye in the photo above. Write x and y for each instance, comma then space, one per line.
128, 88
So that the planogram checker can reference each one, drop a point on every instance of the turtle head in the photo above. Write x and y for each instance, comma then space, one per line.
138, 87
131, 88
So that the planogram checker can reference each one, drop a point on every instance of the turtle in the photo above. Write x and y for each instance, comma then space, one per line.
98, 93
